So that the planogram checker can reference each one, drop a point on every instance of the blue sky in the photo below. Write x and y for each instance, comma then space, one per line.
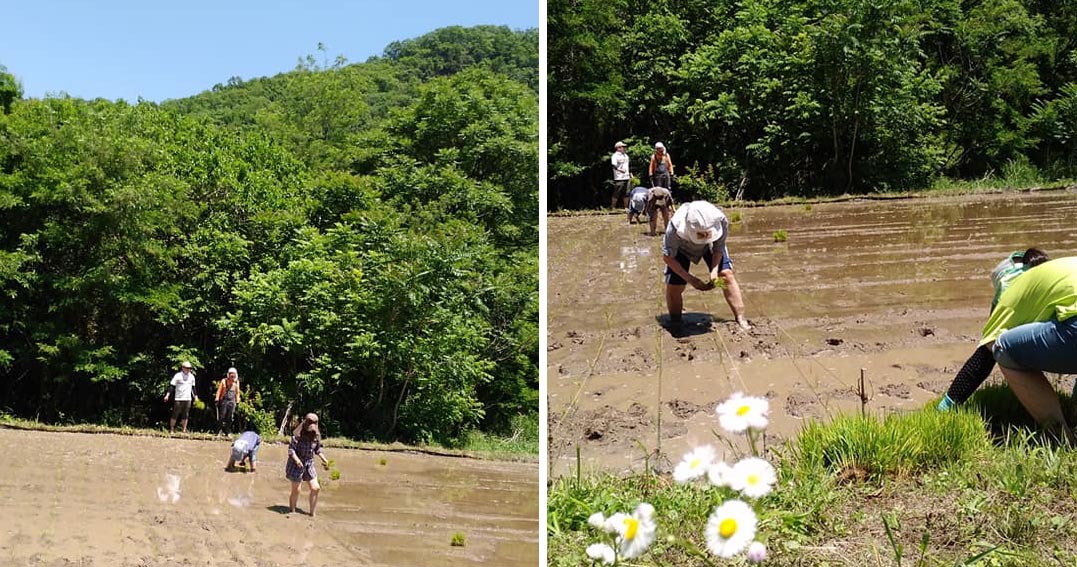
158, 49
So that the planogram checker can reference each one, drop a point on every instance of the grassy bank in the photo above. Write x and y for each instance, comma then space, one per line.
920, 489
520, 444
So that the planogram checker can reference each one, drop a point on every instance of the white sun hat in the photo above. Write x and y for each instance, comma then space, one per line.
659, 146
699, 222
619, 145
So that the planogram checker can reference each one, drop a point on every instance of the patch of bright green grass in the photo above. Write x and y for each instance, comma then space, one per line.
458, 539
521, 436
781, 235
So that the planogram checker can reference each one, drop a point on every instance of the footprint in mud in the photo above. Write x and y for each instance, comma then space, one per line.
897, 391
608, 424
935, 387
686, 350
684, 409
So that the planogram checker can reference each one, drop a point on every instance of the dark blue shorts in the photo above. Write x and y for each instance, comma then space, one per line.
708, 255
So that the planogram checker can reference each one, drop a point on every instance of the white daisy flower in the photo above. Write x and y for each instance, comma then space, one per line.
694, 464
718, 474
752, 477
757, 552
597, 520
741, 412
730, 528
635, 533
601, 552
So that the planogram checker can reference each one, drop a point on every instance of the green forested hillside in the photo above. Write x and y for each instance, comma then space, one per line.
767, 98
358, 240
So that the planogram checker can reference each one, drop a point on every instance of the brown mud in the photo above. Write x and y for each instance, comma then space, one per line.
896, 291
109, 501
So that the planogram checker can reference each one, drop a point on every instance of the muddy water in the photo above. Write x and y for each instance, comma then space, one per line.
106, 500
894, 290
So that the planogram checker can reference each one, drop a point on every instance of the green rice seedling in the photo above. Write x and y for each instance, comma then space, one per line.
856, 447
807, 207
334, 474
383, 461
457, 539
735, 217
781, 235
332, 463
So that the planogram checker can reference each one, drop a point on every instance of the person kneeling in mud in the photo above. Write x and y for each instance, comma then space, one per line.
978, 367
1033, 330
244, 448
306, 443
699, 230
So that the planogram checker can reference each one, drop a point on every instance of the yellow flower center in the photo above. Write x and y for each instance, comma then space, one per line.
743, 410
694, 463
753, 479
727, 528
631, 527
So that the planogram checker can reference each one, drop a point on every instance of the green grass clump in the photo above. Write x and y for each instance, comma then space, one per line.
735, 217
807, 207
870, 447
334, 474
383, 461
781, 235
457, 539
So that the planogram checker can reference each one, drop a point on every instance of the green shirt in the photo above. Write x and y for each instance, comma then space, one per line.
1043, 293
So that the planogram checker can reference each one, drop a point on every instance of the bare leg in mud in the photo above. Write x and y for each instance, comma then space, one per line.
314, 488
731, 291
1040, 399
675, 302
294, 498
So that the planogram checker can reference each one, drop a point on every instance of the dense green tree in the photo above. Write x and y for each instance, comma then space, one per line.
763, 98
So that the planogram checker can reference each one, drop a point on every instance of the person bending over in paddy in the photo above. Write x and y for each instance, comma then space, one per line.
699, 230
306, 443
637, 203
244, 448
659, 200
978, 367
1033, 330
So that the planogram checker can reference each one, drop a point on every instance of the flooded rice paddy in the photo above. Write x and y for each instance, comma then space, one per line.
896, 291
108, 500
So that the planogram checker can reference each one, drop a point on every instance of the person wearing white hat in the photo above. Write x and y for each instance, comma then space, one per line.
621, 176
699, 230
181, 389
661, 170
